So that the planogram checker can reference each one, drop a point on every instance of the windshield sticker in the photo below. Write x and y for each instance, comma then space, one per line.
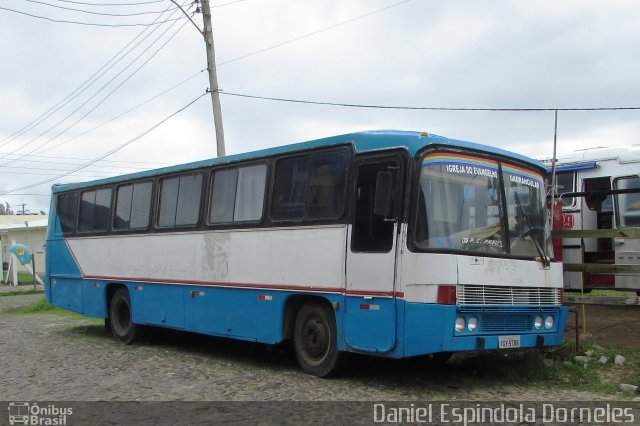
463, 164
480, 241
523, 176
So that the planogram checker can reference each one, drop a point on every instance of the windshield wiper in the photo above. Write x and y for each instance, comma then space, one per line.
544, 259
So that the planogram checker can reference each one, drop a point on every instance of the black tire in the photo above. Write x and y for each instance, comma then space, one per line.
122, 327
315, 340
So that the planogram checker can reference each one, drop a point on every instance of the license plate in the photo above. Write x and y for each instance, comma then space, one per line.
508, 342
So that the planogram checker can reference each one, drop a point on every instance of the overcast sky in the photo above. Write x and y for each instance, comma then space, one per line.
419, 53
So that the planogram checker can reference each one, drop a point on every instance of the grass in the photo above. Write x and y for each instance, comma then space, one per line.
36, 307
23, 278
594, 376
617, 293
553, 369
21, 292
42, 306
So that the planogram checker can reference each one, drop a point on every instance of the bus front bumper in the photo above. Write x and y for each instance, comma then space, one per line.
431, 328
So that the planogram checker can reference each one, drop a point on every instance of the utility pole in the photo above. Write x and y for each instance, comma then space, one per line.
213, 78
211, 67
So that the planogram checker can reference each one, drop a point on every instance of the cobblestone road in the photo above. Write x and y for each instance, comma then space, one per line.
49, 356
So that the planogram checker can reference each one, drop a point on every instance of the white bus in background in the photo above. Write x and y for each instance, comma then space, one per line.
595, 188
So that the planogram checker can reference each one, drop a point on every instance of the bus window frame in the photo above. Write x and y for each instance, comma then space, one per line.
415, 185
574, 206
152, 207
402, 187
306, 220
76, 213
209, 194
80, 193
208, 172
158, 196
616, 204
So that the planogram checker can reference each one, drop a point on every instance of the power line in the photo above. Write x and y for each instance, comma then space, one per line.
227, 4
85, 85
111, 168
245, 56
93, 24
31, 195
290, 41
101, 101
136, 4
350, 105
87, 159
111, 4
78, 173
95, 13
122, 114
108, 153
315, 32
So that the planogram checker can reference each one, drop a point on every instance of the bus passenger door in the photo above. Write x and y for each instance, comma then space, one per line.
376, 198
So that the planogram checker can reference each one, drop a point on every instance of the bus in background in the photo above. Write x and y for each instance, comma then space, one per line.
599, 193
390, 243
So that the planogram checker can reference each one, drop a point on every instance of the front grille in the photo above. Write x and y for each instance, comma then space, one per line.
510, 323
498, 295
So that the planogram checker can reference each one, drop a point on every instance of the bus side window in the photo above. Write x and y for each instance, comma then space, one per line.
180, 200
290, 188
237, 195
327, 179
66, 207
628, 205
223, 196
371, 232
133, 206
566, 183
310, 186
95, 210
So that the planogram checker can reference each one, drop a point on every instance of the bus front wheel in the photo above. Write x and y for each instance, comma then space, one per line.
122, 327
315, 340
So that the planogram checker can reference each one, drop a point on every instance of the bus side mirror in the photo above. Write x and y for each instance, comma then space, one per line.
382, 203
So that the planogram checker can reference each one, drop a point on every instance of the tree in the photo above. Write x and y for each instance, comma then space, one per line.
2, 210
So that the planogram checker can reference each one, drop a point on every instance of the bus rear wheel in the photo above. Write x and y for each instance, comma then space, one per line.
120, 321
315, 340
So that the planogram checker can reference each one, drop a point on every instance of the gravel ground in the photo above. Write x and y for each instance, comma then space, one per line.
62, 357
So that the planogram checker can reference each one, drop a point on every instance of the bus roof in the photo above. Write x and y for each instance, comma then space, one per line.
367, 141
621, 154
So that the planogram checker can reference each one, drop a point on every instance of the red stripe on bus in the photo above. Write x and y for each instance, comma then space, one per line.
253, 286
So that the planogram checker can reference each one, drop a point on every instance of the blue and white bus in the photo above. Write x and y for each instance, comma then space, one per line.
390, 243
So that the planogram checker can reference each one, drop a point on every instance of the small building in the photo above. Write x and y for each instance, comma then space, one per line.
30, 230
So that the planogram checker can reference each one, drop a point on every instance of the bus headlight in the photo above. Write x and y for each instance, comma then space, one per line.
460, 323
537, 323
473, 324
548, 322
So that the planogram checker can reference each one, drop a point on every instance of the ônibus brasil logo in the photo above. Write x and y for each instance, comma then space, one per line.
27, 413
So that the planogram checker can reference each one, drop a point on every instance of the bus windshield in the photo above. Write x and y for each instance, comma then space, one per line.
462, 206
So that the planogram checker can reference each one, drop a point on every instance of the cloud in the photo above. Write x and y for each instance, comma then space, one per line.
420, 53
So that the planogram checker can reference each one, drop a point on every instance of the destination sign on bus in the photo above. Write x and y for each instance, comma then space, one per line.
463, 164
